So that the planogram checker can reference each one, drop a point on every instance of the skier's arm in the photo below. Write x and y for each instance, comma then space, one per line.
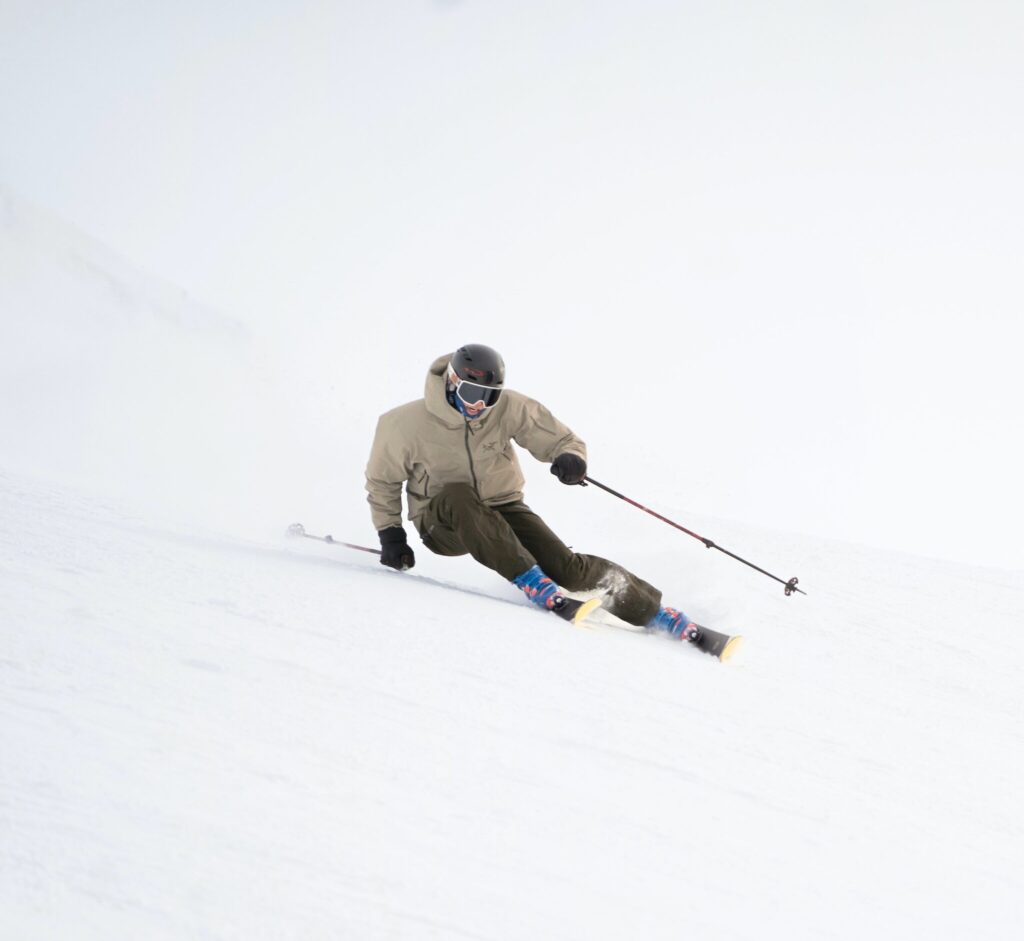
543, 435
385, 475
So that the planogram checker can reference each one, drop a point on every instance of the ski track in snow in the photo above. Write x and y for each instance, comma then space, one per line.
208, 738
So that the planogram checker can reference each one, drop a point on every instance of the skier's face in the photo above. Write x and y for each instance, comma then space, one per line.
474, 398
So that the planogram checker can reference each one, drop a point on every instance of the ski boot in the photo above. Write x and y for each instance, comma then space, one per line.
678, 625
544, 593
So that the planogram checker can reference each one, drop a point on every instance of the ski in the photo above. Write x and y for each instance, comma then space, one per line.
575, 612
719, 645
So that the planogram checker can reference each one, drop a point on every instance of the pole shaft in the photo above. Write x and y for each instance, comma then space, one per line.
790, 585
338, 542
640, 506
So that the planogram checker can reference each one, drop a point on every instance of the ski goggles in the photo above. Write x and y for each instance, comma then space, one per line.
472, 393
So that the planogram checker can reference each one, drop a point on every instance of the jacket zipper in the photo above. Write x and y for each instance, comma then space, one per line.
472, 470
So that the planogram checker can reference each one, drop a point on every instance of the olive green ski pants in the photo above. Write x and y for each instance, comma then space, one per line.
511, 538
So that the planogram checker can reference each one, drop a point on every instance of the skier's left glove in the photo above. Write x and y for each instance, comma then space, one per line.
394, 549
569, 468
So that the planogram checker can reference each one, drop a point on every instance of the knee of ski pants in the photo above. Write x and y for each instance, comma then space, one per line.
572, 570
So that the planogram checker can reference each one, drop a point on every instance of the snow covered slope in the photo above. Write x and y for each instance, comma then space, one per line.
209, 731
221, 739
109, 375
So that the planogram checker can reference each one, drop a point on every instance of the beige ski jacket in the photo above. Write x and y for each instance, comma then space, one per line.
426, 445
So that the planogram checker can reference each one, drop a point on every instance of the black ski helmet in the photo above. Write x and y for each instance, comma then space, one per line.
478, 363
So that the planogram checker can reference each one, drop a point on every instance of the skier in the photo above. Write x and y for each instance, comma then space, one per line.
452, 452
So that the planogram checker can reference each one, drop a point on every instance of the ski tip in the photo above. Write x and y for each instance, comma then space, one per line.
588, 607
730, 648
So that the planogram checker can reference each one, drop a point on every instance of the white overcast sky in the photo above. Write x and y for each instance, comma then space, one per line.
766, 257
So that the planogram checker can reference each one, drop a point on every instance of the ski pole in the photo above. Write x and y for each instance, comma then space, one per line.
790, 585
297, 529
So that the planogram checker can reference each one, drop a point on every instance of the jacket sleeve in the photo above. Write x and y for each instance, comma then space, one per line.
544, 436
385, 475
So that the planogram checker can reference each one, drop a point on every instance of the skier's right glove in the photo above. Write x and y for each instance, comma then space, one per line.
394, 549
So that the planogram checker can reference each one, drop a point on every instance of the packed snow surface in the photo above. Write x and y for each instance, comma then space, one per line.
205, 737
212, 731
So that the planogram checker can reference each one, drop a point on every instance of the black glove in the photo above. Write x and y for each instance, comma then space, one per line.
394, 549
569, 468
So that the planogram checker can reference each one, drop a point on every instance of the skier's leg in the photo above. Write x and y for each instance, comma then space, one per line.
626, 595
457, 522
515, 542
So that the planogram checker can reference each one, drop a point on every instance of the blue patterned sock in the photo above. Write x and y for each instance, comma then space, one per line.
537, 586
672, 622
